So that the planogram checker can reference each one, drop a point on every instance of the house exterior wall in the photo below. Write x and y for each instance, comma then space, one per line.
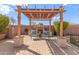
73, 29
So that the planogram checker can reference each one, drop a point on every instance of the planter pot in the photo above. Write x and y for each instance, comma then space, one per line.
2, 36
62, 42
18, 41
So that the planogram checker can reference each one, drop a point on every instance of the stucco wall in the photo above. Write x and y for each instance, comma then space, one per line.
70, 29
73, 29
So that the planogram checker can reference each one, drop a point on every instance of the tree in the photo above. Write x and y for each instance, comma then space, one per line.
57, 24
4, 22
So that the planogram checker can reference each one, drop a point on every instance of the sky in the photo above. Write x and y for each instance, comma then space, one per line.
71, 15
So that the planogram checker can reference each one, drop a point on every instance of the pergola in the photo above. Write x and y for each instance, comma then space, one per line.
46, 14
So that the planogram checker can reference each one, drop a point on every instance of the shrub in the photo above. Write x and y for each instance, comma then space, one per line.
4, 21
65, 25
56, 25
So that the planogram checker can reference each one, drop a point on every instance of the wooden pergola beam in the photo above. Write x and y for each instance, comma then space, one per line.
39, 11
39, 15
48, 15
32, 15
51, 15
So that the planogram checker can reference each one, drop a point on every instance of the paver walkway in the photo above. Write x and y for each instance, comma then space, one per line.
57, 50
29, 47
36, 47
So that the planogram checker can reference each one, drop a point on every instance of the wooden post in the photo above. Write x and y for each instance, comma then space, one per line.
30, 27
19, 20
18, 40
61, 10
50, 27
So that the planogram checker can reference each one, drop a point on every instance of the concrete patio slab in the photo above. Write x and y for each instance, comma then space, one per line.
36, 47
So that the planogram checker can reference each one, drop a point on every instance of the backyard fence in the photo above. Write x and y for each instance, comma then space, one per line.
74, 38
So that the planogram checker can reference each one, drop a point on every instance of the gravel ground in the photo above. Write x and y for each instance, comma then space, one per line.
30, 47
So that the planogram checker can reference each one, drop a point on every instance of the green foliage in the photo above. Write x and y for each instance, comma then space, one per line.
65, 25
4, 21
56, 25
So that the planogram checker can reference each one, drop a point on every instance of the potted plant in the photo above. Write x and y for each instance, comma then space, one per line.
4, 21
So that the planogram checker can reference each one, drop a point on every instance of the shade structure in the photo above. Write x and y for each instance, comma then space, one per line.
45, 14
40, 13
